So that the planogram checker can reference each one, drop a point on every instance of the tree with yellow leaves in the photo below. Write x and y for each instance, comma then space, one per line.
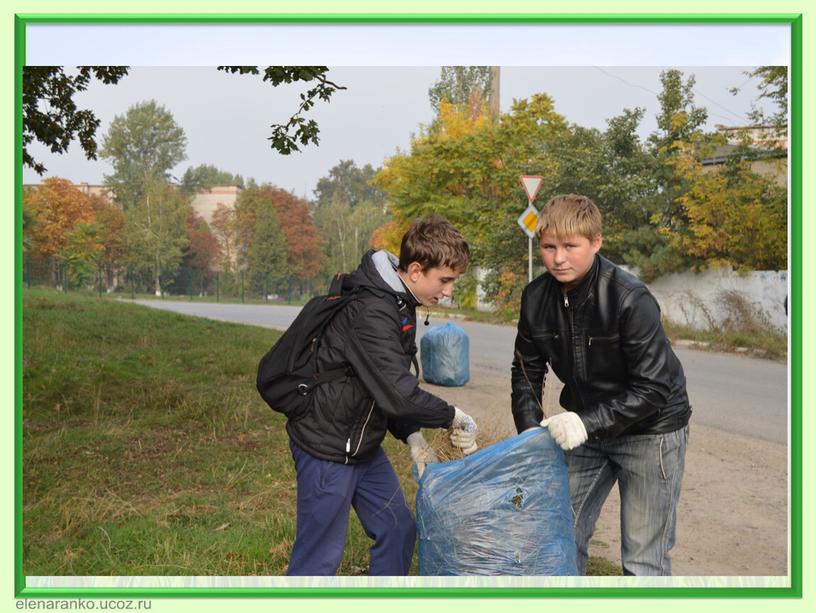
736, 217
62, 229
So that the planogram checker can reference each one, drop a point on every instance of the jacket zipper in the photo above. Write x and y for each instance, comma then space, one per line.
362, 432
573, 361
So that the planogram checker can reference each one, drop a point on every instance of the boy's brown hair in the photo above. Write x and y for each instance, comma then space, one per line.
570, 215
434, 242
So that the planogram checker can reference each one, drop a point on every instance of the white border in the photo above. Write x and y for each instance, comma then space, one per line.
408, 45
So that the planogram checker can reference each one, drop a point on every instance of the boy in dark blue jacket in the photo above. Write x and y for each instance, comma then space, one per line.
336, 444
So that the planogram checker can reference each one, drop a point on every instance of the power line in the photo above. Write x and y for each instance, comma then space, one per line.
739, 116
624, 81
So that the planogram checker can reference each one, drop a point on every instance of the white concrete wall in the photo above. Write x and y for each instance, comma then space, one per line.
701, 300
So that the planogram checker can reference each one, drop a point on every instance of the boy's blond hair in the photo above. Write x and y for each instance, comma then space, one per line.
570, 215
434, 242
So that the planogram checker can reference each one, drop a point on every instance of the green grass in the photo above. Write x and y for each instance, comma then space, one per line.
765, 342
598, 566
147, 450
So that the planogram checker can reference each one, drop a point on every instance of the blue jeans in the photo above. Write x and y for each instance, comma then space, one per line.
648, 469
326, 491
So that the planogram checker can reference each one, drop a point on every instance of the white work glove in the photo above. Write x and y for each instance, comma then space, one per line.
421, 451
567, 429
463, 432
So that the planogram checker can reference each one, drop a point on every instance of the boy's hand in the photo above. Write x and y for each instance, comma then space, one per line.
463, 434
466, 441
421, 452
462, 421
567, 429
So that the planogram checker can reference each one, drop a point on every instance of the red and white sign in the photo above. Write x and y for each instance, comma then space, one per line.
531, 185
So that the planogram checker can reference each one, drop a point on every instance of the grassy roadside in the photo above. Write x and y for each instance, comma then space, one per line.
761, 343
125, 294
751, 339
147, 450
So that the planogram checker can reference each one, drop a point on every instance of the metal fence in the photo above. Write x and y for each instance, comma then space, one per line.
184, 282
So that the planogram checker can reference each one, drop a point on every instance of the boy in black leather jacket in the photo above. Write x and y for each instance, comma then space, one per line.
626, 408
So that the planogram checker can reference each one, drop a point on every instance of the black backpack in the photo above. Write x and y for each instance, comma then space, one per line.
288, 372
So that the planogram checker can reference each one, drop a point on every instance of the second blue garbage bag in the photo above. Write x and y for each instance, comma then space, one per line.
505, 510
445, 354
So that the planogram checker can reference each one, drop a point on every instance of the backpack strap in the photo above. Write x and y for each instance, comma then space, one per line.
336, 289
336, 285
325, 376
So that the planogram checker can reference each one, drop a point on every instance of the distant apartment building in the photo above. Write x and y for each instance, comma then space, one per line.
765, 137
205, 203
769, 150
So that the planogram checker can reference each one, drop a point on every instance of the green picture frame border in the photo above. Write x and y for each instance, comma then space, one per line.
795, 304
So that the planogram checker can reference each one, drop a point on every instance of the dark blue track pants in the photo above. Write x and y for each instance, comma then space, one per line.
325, 493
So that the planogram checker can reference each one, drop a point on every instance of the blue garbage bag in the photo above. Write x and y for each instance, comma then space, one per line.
445, 355
504, 510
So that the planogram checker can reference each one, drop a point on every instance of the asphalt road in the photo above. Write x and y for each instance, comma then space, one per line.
738, 394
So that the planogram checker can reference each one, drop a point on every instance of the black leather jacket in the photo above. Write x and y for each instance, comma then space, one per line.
605, 341
375, 335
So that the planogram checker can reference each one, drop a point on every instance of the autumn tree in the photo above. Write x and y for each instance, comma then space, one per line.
304, 242
736, 217
83, 247
203, 250
111, 221
283, 222
62, 227
389, 236
200, 257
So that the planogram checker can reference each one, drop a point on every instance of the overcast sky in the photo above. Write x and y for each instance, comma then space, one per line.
592, 73
226, 117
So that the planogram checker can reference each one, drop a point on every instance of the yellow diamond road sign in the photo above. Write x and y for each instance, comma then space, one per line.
528, 221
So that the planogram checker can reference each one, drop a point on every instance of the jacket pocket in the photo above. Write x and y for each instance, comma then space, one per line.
545, 335
604, 360
603, 340
354, 443
548, 343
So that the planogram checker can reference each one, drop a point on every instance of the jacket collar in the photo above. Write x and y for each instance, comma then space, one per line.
378, 269
579, 294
